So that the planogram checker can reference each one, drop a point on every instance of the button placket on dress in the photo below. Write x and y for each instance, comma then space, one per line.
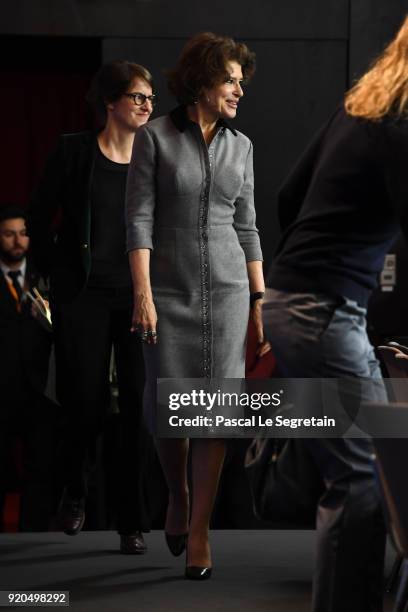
209, 157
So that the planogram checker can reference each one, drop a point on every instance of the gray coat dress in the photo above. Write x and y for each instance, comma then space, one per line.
193, 206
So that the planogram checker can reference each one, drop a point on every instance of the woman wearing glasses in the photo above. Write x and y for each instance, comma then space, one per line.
195, 259
84, 188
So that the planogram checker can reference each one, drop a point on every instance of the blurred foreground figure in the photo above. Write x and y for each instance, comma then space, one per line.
340, 210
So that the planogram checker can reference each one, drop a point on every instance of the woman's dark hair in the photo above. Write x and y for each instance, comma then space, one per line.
202, 64
113, 80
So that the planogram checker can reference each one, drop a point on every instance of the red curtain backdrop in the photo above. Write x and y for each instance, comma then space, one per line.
36, 108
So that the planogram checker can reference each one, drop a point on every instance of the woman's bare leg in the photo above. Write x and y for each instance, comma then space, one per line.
207, 460
173, 455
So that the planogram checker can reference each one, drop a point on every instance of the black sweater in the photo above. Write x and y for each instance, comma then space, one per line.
341, 206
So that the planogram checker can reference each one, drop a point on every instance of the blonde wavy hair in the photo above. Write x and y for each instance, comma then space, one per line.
384, 87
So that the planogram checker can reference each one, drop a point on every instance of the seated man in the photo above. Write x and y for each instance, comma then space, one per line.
25, 350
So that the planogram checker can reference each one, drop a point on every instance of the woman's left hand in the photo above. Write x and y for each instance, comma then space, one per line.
256, 316
398, 354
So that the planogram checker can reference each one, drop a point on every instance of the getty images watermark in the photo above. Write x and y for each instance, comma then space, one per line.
198, 398
301, 407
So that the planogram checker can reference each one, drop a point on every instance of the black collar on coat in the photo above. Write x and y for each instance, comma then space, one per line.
181, 120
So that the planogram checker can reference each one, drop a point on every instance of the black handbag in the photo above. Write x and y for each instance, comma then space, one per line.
284, 482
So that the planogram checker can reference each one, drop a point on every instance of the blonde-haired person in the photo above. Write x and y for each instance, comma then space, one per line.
383, 90
340, 210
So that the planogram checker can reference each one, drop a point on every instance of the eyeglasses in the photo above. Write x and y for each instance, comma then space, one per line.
139, 99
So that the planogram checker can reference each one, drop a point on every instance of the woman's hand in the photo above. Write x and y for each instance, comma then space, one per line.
144, 318
256, 316
257, 292
398, 354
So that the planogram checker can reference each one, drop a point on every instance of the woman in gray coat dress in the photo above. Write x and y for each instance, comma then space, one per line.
195, 259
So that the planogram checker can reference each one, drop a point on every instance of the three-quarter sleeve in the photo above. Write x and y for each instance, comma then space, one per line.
140, 192
244, 217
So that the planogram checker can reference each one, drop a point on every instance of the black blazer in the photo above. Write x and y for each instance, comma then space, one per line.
59, 216
25, 344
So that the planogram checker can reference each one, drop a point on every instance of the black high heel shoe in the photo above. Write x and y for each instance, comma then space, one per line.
176, 543
195, 572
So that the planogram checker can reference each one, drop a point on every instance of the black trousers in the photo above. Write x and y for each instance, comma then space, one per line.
85, 332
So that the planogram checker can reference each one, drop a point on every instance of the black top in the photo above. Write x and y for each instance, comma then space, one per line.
340, 208
109, 261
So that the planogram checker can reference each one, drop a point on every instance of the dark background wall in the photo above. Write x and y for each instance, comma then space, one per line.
308, 53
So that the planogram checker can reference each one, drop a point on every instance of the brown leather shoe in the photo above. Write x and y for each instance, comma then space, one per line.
133, 544
71, 514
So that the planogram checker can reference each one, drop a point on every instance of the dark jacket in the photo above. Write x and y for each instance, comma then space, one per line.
25, 344
59, 216
341, 206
